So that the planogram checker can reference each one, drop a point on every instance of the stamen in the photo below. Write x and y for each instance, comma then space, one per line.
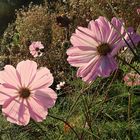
24, 92
37, 49
104, 49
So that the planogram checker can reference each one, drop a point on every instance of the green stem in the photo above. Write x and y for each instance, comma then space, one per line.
76, 101
129, 114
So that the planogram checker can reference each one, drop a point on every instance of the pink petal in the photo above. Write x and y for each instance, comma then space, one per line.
99, 66
87, 68
105, 27
32, 47
16, 111
116, 31
42, 78
83, 38
87, 35
121, 43
27, 70
39, 45
35, 45
37, 111
107, 65
88, 72
45, 96
78, 57
92, 75
78, 61
80, 50
9, 76
132, 36
33, 52
116, 48
6, 93
118, 24
93, 25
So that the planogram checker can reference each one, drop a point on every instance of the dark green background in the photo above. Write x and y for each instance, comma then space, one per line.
7, 10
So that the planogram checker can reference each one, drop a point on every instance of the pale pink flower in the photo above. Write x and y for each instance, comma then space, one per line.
94, 47
25, 92
132, 79
36, 48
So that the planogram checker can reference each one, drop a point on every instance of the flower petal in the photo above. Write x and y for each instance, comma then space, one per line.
16, 111
6, 93
107, 65
131, 36
78, 57
117, 31
37, 111
86, 35
42, 78
27, 70
9, 76
83, 38
93, 25
80, 50
105, 27
45, 96
88, 72
34, 53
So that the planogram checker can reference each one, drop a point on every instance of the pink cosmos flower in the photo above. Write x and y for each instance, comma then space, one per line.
36, 48
94, 47
25, 92
132, 79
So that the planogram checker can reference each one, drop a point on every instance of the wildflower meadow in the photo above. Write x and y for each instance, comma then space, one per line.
70, 70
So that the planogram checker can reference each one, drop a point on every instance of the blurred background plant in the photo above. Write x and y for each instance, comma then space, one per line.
7, 8
98, 111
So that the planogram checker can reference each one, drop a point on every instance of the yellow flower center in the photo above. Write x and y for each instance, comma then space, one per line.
24, 92
104, 49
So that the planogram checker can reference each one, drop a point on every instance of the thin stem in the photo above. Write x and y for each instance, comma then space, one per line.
71, 109
129, 114
106, 94
76, 101
87, 114
66, 124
